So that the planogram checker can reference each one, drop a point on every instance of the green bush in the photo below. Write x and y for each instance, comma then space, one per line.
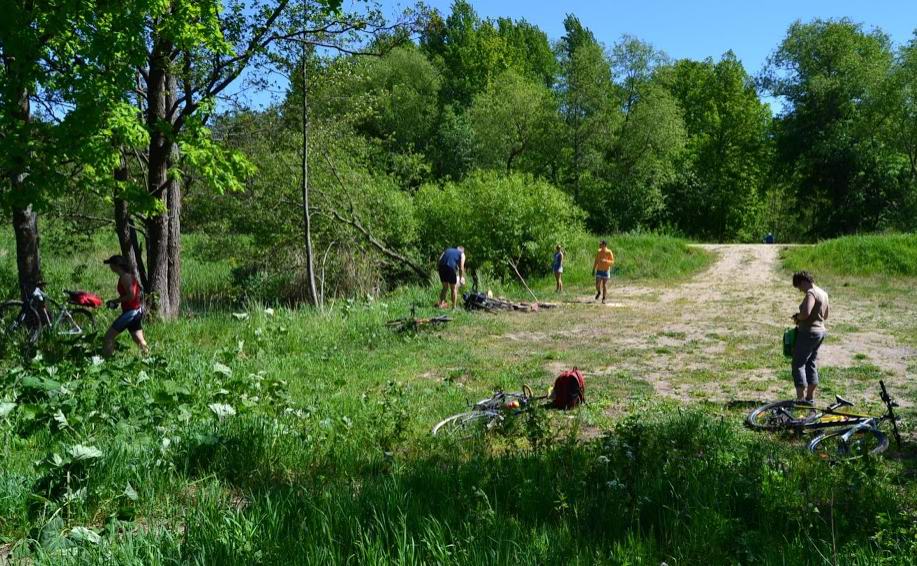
877, 255
497, 218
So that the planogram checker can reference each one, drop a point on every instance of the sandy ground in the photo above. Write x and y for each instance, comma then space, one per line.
717, 336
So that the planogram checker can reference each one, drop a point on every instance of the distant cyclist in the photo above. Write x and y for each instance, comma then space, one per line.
451, 268
130, 298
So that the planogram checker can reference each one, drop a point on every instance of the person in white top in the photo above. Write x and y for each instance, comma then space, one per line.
810, 333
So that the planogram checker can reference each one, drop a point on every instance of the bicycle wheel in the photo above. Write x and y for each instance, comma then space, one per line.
76, 322
464, 425
18, 323
778, 415
831, 446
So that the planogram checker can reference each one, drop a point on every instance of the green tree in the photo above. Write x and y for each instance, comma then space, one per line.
512, 121
641, 156
829, 73
633, 64
898, 117
74, 59
392, 100
27, 31
722, 180
585, 89
498, 218
471, 52
183, 55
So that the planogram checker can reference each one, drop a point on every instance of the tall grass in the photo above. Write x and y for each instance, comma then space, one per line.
329, 460
873, 255
70, 263
681, 487
638, 257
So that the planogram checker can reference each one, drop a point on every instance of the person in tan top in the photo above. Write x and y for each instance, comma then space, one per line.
810, 333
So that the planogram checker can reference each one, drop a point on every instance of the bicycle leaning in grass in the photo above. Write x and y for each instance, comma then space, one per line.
842, 434
486, 414
25, 321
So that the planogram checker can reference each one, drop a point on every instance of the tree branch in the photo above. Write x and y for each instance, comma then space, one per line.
354, 222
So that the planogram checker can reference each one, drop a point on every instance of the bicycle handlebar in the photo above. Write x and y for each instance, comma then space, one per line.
891, 412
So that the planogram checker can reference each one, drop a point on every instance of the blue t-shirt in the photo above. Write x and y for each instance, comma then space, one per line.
557, 258
451, 258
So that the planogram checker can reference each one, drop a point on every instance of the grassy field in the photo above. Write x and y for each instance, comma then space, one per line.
869, 256
275, 435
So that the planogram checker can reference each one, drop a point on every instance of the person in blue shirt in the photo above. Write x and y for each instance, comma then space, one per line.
451, 268
557, 266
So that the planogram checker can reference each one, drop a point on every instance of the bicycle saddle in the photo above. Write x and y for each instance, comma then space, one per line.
842, 402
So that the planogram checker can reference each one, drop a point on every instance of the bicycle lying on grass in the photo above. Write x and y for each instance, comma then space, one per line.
486, 414
24, 322
413, 323
842, 434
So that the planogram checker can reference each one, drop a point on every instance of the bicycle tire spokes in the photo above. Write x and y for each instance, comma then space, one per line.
849, 444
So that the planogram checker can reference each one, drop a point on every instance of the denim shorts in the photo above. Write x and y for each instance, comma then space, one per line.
129, 320
601, 275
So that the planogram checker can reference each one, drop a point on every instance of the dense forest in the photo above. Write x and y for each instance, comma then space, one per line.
397, 136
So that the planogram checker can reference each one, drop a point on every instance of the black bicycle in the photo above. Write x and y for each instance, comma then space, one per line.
24, 322
842, 433
415, 323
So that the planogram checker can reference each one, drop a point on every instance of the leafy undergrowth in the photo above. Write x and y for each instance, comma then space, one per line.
199, 460
872, 255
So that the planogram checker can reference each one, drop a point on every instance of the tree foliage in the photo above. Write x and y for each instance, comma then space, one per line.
423, 131
830, 74
498, 218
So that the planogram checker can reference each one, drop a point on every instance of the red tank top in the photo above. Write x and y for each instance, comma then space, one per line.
133, 303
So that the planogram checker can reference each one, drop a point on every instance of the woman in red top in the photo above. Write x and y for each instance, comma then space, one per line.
131, 301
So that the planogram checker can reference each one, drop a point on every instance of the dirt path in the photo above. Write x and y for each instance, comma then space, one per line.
715, 337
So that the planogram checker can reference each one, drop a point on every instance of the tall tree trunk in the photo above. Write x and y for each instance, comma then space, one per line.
127, 231
28, 260
160, 154
306, 215
174, 247
25, 221
173, 198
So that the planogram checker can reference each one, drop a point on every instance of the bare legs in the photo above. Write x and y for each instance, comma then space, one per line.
109, 347
136, 336
559, 281
138, 339
452, 290
601, 288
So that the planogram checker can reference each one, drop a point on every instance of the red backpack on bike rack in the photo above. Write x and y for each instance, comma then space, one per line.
569, 390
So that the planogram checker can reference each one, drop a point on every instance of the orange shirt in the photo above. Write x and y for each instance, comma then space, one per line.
603, 260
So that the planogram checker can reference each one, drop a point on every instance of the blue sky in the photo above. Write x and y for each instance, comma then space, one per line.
698, 29
693, 29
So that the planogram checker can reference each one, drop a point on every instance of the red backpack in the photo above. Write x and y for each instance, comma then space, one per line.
84, 299
569, 390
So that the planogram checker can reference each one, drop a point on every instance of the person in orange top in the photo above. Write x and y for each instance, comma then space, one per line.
601, 269
131, 302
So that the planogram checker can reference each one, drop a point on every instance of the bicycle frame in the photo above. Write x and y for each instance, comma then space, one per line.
854, 422
43, 305
822, 419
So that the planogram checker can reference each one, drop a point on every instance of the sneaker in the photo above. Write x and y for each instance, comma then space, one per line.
597, 296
